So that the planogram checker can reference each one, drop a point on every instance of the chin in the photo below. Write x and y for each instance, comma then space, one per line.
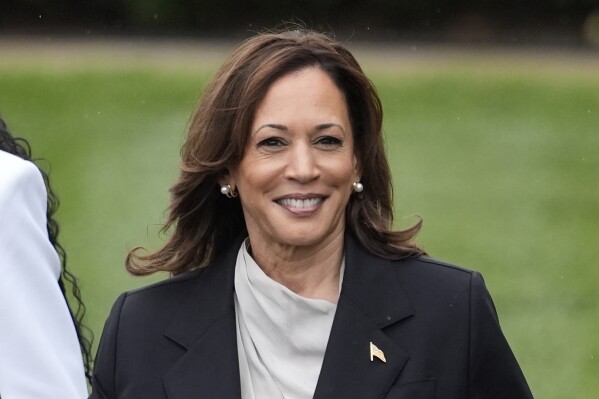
304, 238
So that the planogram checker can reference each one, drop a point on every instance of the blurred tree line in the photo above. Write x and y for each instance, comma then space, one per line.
381, 19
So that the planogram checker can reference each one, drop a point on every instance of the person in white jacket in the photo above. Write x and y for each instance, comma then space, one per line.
40, 353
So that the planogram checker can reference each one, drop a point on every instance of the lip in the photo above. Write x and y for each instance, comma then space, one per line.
303, 204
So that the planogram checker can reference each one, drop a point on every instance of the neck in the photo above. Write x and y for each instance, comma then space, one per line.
309, 271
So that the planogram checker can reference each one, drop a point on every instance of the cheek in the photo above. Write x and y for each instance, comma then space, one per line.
254, 179
348, 170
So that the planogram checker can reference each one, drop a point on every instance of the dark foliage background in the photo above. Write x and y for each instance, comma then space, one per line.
465, 20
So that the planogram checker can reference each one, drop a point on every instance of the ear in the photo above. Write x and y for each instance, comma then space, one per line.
357, 169
226, 178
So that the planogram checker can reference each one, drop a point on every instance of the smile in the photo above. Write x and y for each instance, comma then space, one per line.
305, 203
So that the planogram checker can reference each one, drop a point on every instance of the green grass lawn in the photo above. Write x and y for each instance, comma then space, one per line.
501, 162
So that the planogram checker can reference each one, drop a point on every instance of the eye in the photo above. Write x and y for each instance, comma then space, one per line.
272, 142
329, 141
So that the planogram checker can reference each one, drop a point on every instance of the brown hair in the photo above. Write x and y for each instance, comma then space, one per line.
204, 221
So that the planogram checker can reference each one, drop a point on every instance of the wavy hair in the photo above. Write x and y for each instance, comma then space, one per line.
67, 280
202, 222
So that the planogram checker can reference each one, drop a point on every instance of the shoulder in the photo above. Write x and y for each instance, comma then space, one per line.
23, 206
202, 295
153, 306
418, 268
8, 159
179, 282
449, 273
427, 278
432, 267
164, 292
17, 174
206, 283
22, 190
419, 276
23, 197
219, 273
13, 165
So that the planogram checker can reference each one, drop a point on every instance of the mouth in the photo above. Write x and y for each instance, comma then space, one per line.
301, 204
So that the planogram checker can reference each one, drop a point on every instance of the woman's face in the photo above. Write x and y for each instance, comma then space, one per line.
296, 175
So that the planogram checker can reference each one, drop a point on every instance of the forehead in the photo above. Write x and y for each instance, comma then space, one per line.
309, 88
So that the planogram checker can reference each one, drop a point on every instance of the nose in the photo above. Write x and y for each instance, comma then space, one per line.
302, 164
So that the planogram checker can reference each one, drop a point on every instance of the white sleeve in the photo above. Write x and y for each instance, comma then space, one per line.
39, 351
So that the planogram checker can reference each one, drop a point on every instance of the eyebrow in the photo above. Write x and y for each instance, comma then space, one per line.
272, 126
283, 128
324, 126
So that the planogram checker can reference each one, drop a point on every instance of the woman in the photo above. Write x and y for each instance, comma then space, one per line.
289, 280
41, 339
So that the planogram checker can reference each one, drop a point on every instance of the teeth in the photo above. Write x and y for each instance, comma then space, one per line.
300, 203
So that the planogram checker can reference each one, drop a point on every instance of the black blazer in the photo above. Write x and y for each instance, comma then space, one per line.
435, 323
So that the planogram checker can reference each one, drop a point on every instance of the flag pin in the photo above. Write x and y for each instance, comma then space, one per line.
376, 352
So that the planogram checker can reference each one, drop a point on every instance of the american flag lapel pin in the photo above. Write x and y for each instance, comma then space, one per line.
376, 352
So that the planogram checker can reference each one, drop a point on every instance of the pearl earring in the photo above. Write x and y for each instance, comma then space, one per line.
358, 187
227, 190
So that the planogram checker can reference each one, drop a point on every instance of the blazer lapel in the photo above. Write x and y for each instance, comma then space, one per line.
206, 326
371, 299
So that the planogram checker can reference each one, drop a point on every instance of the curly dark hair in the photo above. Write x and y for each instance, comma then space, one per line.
21, 148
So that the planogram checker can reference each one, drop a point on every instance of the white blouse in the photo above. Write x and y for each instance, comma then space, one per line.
281, 336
